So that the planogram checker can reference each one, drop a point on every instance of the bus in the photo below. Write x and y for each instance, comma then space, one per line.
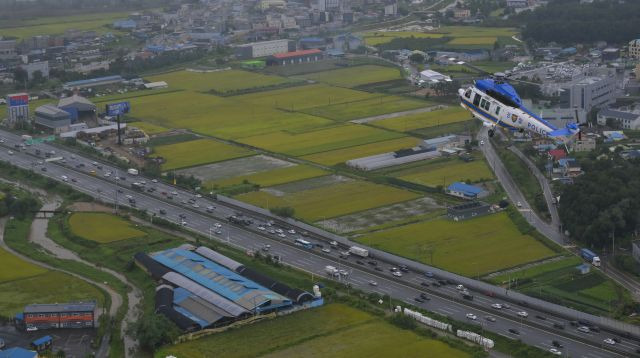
304, 243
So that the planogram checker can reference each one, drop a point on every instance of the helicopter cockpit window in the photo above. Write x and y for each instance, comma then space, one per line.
468, 93
476, 99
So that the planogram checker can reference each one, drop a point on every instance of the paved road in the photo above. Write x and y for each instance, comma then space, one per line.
444, 300
397, 114
116, 299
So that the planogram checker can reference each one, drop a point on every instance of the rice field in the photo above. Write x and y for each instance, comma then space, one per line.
424, 120
334, 330
329, 201
197, 152
102, 228
367, 108
446, 173
337, 156
59, 24
356, 75
273, 177
472, 248
374, 38
484, 40
219, 81
15, 268
342, 136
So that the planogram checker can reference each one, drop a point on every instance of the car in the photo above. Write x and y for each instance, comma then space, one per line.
182, 216
471, 316
326, 251
198, 196
218, 232
44, 169
99, 167
154, 180
425, 284
74, 180
282, 235
519, 204
428, 274
10, 152
584, 329
273, 232
505, 306
279, 231
94, 163
163, 212
320, 246
344, 272
373, 263
266, 247
333, 243
418, 299
556, 344
359, 262
558, 326
616, 339
609, 341
196, 206
424, 296
183, 223
574, 323
291, 231
185, 202
513, 331
435, 284
541, 317
64, 178
442, 282
496, 306
481, 142
490, 318
174, 193
393, 269
460, 288
373, 283
397, 274
32, 329
261, 228
555, 351
594, 328
523, 314
377, 268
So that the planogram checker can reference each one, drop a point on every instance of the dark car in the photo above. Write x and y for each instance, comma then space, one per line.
435, 284
43, 169
442, 282
425, 284
574, 323
514, 331
424, 296
373, 263
541, 317
428, 274
467, 296
418, 299
616, 339
378, 268
162, 211
594, 328
558, 326
451, 282
360, 262
557, 344
584, 323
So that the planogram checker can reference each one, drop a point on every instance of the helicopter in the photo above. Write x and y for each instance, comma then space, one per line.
496, 103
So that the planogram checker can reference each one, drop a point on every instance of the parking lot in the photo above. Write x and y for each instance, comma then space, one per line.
76, 343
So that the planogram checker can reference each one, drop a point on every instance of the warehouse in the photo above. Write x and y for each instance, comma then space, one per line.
52, 119
80, 109
301, 56
60, 315
93, 82
264, 48
468, 210
466, 191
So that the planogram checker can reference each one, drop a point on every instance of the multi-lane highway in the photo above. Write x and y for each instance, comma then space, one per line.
208, 217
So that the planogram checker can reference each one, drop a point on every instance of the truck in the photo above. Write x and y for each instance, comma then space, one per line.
590, 256
331, 271
359, 251
132, 171
26, 137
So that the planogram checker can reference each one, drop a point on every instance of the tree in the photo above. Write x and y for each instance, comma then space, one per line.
155, 331
416, 58
284, 211
20, 77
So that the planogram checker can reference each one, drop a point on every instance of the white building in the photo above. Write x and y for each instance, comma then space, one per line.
592, 92
634, 48
431, 76
626, 118
31, 68
264, 48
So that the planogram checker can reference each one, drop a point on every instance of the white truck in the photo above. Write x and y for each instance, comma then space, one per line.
331, 271
132, 171
359, 251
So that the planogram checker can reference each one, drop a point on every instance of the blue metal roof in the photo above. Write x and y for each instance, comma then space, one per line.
17, 352
219, 279
504, 89
465, 188
42, 340
93, 80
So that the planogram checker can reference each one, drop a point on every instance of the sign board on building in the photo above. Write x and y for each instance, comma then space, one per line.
116, 109
20, 99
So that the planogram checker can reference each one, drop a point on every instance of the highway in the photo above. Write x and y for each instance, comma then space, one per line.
537, 329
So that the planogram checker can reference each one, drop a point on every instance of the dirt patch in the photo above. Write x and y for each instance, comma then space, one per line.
308, 184
378, 216
84, 206
236, 167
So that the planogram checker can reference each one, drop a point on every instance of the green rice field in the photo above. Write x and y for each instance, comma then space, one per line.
356, 75
59, 24
197, 152
219, 81
424, 120
102, 227
274, 176
445, 173
367, 108
337, 156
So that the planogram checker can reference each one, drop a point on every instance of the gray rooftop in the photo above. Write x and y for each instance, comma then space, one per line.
78, 102
606, 112
61, 307
51, 110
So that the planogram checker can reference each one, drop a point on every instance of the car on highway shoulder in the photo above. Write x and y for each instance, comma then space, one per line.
555, 351
609, 341
471, 316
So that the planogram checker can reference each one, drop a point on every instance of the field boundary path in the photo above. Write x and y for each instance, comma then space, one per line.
116, 299
397, 114
38, 234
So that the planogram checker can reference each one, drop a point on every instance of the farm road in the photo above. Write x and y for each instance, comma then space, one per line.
116, 299
397, 114
38, 235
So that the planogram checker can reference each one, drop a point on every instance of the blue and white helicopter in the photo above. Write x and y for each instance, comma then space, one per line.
496, 103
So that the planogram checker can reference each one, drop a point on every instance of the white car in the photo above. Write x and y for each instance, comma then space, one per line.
481, 142
584, 329
261, 228
333, 243
10, 152
555, 352
496, 306
32, 329
344, 272
198, 196
471, 316
523, 314
154, 180
282, 235
291, 232
397, 273
519, 204
174, 193
64, 178
183, 223
217, 225
460, 288
326, 251
279, 231
373, 283
196, 206
609, 341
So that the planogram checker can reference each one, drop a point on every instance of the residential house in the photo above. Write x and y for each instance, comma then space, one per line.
466, 191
